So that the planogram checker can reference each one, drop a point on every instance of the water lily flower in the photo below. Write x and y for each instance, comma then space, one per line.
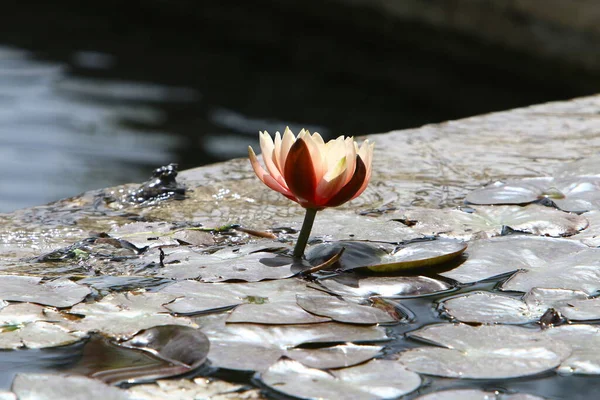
311, 172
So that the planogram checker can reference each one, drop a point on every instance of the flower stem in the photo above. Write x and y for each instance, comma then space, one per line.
307, 225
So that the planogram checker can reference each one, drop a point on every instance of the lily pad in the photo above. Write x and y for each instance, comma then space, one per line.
281, 312
490, 308
584, 341
393, 286
37, 335
332, 225
569, 194
538, 262
199, 388
122, 315
54, 386
343, 311
58, 293
182, 347
343, 355
581, 310
227, 264
475, 394
361, 255
486, 222
379, 379
419, 255
254, 347
591, 235
197, 297
484, 352
153, 234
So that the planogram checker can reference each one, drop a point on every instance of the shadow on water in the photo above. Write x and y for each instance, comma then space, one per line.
95, 94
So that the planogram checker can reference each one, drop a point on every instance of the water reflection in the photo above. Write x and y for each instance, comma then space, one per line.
60, 135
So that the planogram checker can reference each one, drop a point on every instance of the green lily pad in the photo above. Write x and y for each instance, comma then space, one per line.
199, 388
420, 255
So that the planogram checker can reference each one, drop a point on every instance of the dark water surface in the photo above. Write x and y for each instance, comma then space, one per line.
94, 94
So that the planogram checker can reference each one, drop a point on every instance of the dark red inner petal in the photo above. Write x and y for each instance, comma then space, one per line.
353, 186
299, 173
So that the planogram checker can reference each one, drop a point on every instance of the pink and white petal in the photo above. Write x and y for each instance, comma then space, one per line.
287, 142
268, 148
300, 175
351, 189
264, 176
277, 150
333, 181
317, 157
368, 158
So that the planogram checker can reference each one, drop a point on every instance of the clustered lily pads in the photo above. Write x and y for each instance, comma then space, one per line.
164, 300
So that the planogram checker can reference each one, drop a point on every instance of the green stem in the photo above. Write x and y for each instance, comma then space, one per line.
307, 225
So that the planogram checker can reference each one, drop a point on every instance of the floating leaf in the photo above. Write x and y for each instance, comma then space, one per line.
342, 311
38, 334
182, 347
58, 293
568, 194
227, 264
379, 379
540, 262
379, 259
54, 386
196, 297
199, 388
591, 235
419, 255
343, 355
492, 221
490, 308
280, 312
475, 394
335, 226
393, 286
146, 234
124, 314
484, 352
254, 347
581, 310
584, 341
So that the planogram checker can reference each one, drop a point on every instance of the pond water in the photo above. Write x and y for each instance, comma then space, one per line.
101, 94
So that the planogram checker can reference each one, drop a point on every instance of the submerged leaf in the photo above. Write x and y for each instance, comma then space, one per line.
475, 394
379, 379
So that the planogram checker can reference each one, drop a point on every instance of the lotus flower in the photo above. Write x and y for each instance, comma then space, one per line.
311, 172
